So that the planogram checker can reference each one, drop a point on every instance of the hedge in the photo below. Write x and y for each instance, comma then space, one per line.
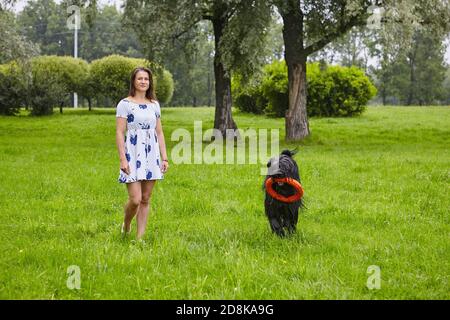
331, 91
111, 77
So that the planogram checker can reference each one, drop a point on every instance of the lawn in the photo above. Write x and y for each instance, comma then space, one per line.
376, 188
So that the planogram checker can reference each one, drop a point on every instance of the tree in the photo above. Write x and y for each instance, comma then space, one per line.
446, 86
351, 49
310, 25
12, 88
6, 5
239, 29
419, 72
12, 44
54, 77
44, 23
192, 68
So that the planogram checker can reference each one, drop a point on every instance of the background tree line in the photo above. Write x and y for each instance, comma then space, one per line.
41, 28
53, 79
417, 77
198, 39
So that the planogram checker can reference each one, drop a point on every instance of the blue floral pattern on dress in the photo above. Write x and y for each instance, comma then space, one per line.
127, 155
133, 140
130, 118
138, 164
145, 125
143, 106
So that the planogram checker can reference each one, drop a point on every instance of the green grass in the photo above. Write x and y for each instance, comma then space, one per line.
377, 191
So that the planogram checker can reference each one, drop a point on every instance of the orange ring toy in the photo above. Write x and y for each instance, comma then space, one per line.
292, 182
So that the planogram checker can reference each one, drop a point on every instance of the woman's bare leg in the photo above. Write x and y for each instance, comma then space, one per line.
142, 213
131, 207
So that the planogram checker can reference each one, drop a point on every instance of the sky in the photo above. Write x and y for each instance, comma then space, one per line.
21, 3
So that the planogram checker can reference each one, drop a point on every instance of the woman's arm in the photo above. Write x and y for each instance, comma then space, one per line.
121, 127
162, 145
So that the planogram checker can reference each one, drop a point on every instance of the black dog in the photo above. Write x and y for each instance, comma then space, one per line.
282, 216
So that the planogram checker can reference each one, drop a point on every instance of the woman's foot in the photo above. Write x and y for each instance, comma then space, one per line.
125, 232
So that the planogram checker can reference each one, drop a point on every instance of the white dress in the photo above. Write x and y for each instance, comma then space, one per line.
141, 142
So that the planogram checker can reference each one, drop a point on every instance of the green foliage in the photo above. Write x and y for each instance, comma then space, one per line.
192, 68
415, 75
54, 78
101, 34
240, 28
12, 89
333, 91
446, 86
111, 77
338, 91
421, 82
164, 86
275, 88
247, 97
13, 45
244, 43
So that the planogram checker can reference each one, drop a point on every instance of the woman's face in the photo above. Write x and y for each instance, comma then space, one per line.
142, 81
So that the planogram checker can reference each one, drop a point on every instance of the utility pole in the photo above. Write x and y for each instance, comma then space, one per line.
73, 22
75, 54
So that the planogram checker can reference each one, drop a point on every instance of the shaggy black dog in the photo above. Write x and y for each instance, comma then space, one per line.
282, 216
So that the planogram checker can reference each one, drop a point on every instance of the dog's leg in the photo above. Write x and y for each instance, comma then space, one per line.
273, 214
277, 227
293, 219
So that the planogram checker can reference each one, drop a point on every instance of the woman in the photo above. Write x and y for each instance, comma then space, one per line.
139, 119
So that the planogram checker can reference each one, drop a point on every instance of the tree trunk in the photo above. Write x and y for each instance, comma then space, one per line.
223, 119
297, 127
412, 79
209, 84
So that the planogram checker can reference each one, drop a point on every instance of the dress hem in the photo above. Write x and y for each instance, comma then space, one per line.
125, 182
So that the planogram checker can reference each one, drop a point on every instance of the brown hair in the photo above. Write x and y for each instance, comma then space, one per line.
150, 94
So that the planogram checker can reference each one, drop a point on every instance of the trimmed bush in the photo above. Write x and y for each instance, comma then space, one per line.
164, 86
275, 88
338, 91
54, 78
12, 89
333, 91
111, 77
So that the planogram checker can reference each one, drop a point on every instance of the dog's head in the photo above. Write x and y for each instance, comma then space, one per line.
283, 166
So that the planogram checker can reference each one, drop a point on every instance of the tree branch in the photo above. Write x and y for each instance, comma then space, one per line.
178, 35
231, 12
354, 21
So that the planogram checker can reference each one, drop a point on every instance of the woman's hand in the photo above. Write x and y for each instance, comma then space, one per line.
164, 166
124, 166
